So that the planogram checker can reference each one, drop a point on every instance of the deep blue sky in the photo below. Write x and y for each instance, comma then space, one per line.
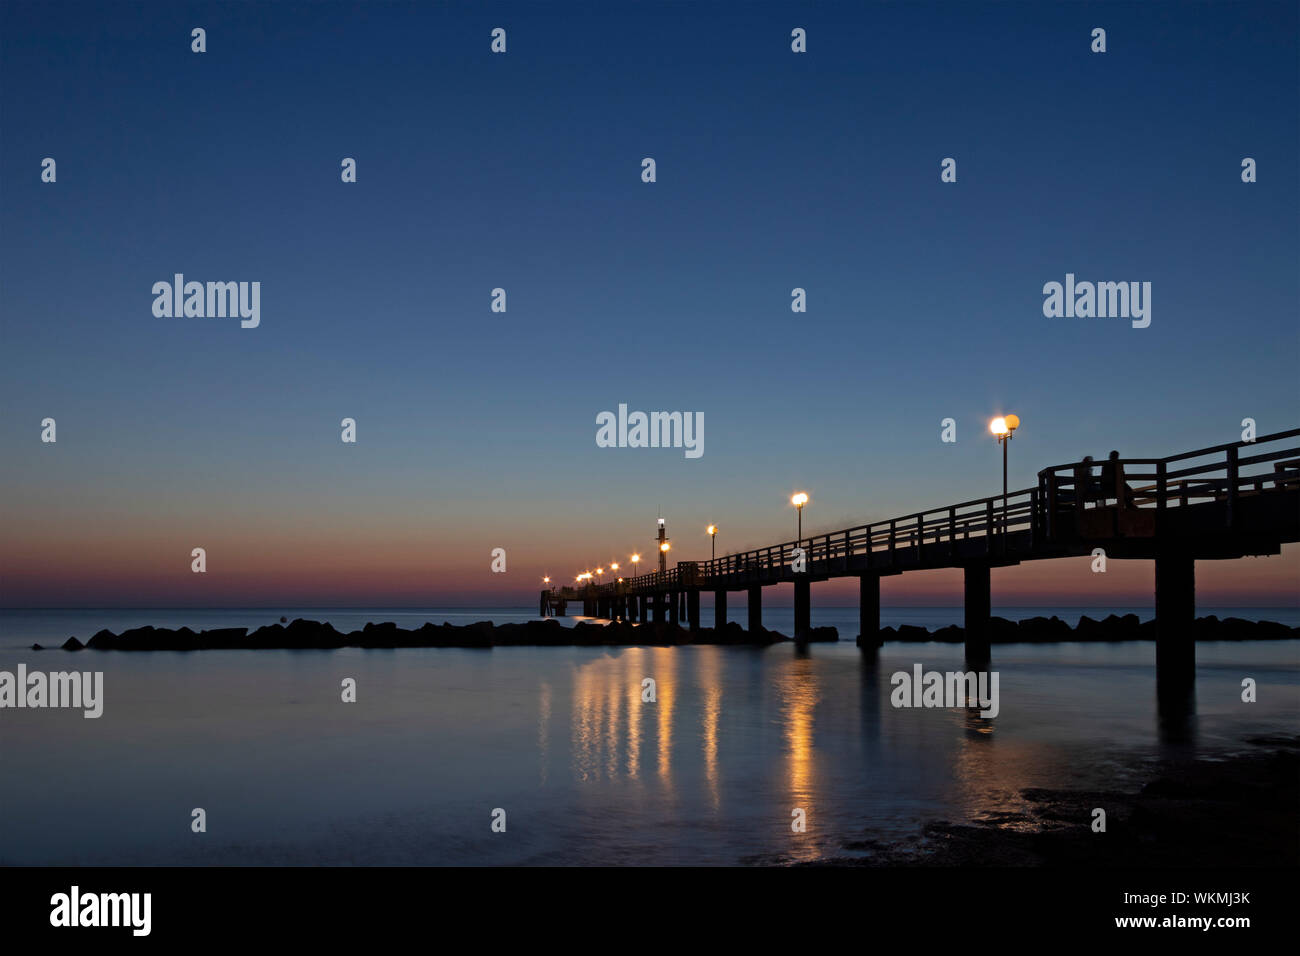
775, 170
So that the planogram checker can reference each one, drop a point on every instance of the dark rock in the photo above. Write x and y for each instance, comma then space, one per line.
270, 635
1045, 629
71, 644
1087, 629
952, 634
222, 638
1002, 631
303, 634
103, 640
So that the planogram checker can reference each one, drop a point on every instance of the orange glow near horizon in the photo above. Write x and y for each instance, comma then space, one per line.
131, 562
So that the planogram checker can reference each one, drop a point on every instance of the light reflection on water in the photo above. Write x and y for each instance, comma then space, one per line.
588, 772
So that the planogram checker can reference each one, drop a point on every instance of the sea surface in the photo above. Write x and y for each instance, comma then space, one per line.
560, 739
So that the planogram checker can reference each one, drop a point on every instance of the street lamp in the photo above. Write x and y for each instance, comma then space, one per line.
713, 541
1004, 428
614, 566
599, 572
636, 559
799, 501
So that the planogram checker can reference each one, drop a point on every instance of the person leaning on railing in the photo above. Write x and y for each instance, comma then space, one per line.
1083, 484
1113, 484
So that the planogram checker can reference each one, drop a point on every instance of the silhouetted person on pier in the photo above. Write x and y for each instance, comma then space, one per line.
1083, 482
1113, 484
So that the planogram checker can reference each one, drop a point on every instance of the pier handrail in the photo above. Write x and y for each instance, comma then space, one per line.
1139, 483
1223, 478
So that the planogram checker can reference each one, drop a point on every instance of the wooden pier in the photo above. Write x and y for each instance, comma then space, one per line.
1227, 501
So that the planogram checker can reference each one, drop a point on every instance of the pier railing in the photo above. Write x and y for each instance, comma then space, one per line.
1221, 473
979, 518
1065, 501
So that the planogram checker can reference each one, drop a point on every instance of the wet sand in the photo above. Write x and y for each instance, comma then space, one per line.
1243, 811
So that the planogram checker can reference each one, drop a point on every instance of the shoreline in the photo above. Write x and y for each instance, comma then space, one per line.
1197, 813
302, 634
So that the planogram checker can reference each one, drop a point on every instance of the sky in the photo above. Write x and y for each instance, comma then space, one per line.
775, 170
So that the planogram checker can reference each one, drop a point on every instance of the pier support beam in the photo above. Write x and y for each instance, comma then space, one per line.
979, 608
657, 603
756, 607
869, 610
719, 610
1175, 623
802, 607
693, 608
673, 604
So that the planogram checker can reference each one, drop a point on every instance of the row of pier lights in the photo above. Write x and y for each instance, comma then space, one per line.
1003, 429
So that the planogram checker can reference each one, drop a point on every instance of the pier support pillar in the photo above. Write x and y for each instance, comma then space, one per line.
869, 610
979, 608
802, 607
673, 604
693, 608
1175, 624
657, 607
719, 610
756, 607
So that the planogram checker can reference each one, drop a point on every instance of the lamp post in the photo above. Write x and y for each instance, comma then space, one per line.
1004, 427
713, 541
799, 501
636, 559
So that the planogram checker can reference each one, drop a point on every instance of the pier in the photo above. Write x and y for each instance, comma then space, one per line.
1223, 502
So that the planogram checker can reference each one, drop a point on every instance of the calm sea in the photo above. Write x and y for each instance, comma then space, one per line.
561, 740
